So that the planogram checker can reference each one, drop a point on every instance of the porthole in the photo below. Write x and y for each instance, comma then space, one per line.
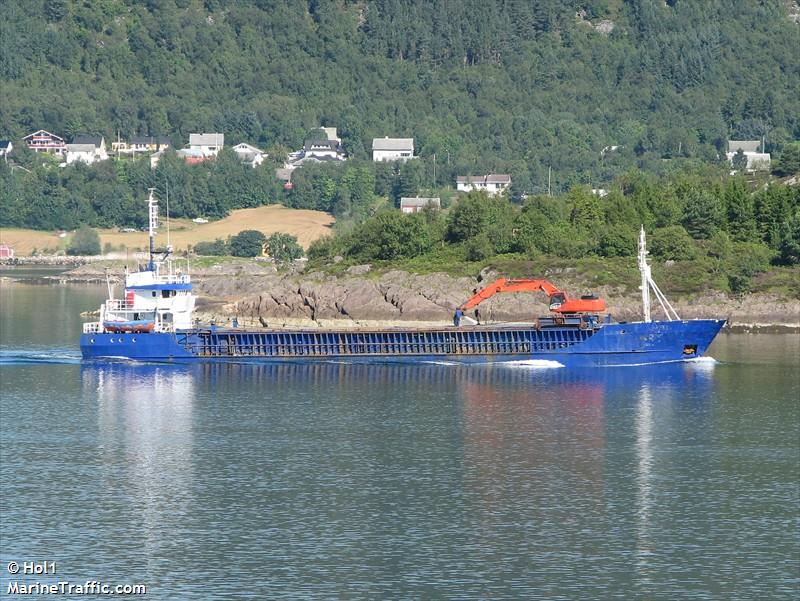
133, 339
111, 340
91, 340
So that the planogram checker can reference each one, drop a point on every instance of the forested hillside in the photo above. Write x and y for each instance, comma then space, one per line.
638, 97
492, 85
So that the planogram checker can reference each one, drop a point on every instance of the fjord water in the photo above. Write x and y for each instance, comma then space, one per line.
431, 481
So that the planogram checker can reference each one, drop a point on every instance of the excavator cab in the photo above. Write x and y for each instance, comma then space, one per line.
556, 300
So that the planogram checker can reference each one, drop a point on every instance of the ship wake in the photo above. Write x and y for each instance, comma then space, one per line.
52, 356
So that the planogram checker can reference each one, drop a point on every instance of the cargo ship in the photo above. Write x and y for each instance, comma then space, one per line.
153, 321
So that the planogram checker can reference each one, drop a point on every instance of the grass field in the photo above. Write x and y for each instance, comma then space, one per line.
306, 225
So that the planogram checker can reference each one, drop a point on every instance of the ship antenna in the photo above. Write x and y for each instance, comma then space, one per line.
168, 241
152, 205
648, 282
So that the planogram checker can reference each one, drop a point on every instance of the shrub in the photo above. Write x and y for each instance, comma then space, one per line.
217, 248
322, 248
85, 241
478, 248
747, 259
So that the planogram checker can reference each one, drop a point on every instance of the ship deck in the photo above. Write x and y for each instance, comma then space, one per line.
496, 339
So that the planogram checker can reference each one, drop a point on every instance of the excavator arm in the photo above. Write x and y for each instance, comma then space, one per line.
559, 301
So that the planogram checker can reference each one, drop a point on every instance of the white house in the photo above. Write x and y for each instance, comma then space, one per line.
417, 204
756, 161
249, 154
43, 141
318, 151
86, 149
323, 149
392, 149
207, 144
80, 153
493, 183
5, 148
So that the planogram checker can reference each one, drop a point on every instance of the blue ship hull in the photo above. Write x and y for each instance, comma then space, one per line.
612, 344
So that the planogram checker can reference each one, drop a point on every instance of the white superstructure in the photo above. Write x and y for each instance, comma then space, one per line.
157, 298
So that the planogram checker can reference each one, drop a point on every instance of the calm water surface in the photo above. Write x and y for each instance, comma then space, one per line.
337, 481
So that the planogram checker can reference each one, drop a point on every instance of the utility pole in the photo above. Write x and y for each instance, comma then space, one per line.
434, 170
548, 180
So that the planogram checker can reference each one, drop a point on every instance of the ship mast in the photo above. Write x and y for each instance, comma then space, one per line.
152, 204
644, 269
648, 283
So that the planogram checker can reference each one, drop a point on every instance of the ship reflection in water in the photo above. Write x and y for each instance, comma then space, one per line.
386, 464
145, 436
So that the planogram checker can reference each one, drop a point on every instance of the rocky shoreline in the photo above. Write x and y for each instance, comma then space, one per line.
256, 293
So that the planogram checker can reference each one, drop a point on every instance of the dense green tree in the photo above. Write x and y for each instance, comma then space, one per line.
618, 241
701, 217
283, 248
740, 211
587, 208
739, 161
672, 243
788, 162
391, 235
790, 240
247, 243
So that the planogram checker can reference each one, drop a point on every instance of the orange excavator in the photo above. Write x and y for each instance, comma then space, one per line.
559, 301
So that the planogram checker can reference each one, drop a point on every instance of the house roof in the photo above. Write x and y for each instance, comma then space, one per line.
245, 146
206, 139
743, 145
87, 139
160, 140
420, 202
5, 143
393, 144
81, 147
319, 144
491, 178
43, 132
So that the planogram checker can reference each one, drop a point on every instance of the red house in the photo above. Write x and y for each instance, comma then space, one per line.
44, 141
6, 252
